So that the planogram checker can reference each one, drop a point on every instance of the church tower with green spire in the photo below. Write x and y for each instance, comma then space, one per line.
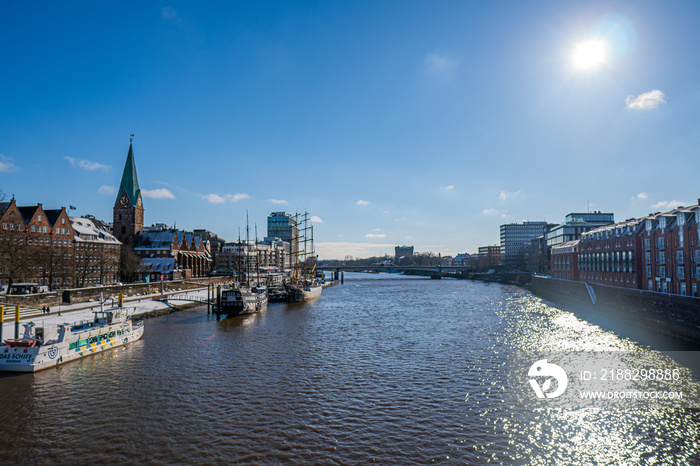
128, 208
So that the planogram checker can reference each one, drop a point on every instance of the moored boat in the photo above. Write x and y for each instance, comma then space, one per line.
242, 300
305, 291
51, 345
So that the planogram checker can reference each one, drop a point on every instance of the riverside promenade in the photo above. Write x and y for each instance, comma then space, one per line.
137, 306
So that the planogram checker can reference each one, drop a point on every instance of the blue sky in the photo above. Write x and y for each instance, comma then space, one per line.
393, 122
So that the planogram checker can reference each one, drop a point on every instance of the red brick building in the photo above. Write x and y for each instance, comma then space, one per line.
175, 254
564, 257
672, 252
128, 207
36, 245
489, 256
611, 255
659, 253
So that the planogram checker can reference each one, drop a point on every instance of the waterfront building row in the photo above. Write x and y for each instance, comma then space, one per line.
49, 248
660, 252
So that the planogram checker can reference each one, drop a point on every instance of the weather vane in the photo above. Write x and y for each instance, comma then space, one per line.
131, 137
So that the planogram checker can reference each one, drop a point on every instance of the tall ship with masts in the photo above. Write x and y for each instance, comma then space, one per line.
303, 284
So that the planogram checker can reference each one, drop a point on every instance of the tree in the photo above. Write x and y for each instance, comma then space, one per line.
129, 263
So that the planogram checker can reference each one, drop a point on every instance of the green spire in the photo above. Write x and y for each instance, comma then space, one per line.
130, 182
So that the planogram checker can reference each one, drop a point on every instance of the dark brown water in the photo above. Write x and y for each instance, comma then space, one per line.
383, 369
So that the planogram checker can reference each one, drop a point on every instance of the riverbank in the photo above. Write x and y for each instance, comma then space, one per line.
674, 315
139, 307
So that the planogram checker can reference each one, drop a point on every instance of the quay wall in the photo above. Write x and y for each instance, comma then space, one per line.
675, 315
84, 295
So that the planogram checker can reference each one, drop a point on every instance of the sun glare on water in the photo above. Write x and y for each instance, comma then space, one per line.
590, 54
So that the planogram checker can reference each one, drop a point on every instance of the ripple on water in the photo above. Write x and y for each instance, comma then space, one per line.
386, 370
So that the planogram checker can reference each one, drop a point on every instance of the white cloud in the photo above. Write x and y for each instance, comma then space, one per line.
375, 235
437, 65
651, 99
239, 197
277, 201
400, 219
86, 164
447, 189
361, 202
214, 198
6, 165
507, 195
110, 190
502, 213
220, 199
640, 196
667, 204
316, 219
160, 193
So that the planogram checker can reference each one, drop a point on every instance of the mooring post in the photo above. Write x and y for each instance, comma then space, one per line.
342, 277
2, 321
16, 322
218, 297
208, 298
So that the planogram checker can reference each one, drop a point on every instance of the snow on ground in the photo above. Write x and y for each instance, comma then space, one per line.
84, 311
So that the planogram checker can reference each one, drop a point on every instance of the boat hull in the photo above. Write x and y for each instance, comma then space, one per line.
242, 302
52, 354
298, 294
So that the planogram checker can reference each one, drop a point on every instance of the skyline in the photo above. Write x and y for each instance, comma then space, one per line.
393, 123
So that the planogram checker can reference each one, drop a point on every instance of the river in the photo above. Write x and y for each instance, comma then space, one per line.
382, 369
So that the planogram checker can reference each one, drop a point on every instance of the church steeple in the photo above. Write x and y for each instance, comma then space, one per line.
128, 208
130, 181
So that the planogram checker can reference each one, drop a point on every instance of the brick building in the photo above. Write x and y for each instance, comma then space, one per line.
564, 258
489, 256
174, 254
96, 252
611, 255
659, 253
36, 245
128, 207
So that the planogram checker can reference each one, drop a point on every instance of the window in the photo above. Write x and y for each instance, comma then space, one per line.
662, 271
680, 272
679, 257
39, 218
660, 242
648, 271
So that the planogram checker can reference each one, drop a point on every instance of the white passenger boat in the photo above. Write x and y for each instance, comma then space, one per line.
51, 345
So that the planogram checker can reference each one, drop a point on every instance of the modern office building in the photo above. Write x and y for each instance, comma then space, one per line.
575, 224
515, 239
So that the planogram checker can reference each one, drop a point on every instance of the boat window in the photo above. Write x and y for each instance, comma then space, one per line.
83, 342
93, 339
111, 334
73, 345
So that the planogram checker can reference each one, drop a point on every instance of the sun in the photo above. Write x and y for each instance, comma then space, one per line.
590, 54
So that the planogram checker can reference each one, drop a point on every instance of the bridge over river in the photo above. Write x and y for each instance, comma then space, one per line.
432, 271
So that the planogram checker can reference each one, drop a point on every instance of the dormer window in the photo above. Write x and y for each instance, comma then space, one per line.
681, 219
